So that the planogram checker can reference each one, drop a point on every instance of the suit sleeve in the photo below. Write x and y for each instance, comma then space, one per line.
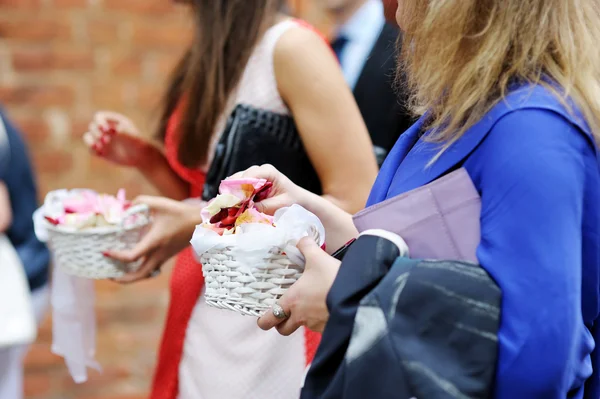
532, 190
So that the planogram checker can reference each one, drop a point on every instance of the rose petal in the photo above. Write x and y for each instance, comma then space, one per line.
53, 221
241, 188
253, 216
80, 220
215, 205
213, 227
263, 192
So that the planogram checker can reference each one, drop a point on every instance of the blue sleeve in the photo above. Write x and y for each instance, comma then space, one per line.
532, 188
22, 190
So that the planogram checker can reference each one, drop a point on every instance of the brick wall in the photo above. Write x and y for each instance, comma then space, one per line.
60, 61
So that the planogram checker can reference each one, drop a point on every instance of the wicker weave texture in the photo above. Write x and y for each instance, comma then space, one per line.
227, 287
80, 253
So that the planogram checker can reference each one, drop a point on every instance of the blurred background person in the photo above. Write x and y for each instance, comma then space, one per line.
266, 67
18, 201
365, 44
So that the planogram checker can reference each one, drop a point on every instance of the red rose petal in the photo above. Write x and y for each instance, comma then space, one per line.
263, 192
219, 216
228, 221
51, 220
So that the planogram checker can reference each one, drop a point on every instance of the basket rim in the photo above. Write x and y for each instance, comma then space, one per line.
104, 230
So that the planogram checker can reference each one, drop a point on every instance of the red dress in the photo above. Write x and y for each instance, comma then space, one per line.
186, 286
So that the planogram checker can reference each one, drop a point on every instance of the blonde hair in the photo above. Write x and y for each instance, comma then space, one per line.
460, 56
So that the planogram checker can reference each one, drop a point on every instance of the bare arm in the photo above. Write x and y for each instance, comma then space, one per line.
5, 210
158, 172
333, 132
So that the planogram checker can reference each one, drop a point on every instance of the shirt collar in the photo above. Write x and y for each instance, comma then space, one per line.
368, 17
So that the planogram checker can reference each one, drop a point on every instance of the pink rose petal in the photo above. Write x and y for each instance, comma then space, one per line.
253, 216
241, 188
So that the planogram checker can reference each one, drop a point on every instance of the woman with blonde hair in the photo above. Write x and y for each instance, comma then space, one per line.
509, 90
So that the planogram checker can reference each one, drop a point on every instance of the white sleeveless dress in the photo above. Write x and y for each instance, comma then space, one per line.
226, 355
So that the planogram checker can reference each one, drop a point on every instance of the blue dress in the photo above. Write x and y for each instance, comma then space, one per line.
536, 166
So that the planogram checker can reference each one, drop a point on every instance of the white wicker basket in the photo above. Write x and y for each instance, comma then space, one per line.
80, 253
251, 294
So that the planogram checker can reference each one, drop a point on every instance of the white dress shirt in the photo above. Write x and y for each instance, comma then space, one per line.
362, 32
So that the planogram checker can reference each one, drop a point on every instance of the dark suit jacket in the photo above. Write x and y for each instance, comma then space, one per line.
18, 175
401, 328
381, 106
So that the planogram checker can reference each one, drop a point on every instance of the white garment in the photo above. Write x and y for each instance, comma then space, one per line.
258, 84
361, 31
11, 358
226, 355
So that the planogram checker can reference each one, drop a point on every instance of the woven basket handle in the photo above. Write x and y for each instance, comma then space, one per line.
140, 209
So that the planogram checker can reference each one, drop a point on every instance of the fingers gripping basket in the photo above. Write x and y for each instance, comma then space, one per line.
80, 252
250, 280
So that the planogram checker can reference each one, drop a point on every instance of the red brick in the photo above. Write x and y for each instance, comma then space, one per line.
53, 161
172, 36
37, 96
40, 358
108, 286
79, 127
104, 31
20, 4
45, 331
145, 396
147, 7
71, 3
40, 60
96, 380
38, 30
136, 315
109, 95
38, 384
166, 62
34, 129
127, 64
150, 96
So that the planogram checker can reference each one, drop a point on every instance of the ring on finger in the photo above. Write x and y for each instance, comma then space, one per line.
155, 273
279, 313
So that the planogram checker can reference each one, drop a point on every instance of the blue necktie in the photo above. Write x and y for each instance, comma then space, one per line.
338, 45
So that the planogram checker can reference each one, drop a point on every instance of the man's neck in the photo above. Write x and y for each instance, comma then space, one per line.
344, 14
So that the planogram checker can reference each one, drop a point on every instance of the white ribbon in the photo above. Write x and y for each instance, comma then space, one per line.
72, 299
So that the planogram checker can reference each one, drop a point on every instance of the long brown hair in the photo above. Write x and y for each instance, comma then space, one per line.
226, 32
460, 56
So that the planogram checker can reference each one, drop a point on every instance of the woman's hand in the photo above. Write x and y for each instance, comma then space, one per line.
304, 302
172, 228
283, 193
338, 224
115, 138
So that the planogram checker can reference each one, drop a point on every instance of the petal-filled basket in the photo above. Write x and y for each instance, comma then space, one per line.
78, 249
247, 270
